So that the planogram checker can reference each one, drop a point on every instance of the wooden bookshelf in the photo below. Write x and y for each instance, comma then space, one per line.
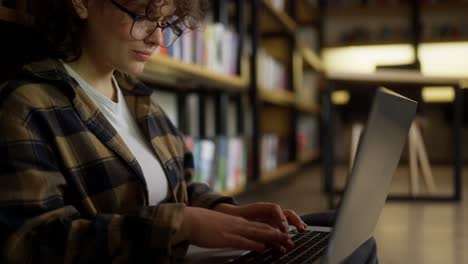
277, 97
461, 8
272, 20
311, 59
161, 65
280, 172
368, 11
444, 40
234, 192
308, 108
306, 13
309, 156
368, 43
8, 14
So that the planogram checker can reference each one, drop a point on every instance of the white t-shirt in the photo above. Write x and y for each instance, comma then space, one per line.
125, 125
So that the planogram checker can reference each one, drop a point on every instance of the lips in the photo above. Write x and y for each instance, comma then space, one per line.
142, 55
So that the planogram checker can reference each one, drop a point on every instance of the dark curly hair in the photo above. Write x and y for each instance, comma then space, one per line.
62, 29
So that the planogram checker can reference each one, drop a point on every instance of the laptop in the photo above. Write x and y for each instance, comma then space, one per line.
377, 158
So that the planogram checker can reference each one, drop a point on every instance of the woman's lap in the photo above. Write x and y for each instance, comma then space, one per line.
366, 253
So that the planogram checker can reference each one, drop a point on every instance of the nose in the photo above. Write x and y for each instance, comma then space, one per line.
156, 38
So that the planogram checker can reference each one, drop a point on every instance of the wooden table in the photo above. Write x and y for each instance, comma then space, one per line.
400, 79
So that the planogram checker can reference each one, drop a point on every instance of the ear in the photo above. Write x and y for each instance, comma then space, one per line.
81, 8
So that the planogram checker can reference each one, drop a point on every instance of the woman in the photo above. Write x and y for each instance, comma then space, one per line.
92, 170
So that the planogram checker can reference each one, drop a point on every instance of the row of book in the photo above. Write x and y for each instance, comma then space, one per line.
272, 73
307, 92
220, 162
274, 151
308, 135
446, 31
214, 46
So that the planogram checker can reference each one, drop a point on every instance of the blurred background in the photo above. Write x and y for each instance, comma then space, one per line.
272, 96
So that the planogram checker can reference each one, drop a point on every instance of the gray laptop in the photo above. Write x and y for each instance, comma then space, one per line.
376, 160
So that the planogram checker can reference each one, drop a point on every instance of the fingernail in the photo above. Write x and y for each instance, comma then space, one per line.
283, 249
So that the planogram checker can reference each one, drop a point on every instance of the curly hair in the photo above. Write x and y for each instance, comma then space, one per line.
62, 28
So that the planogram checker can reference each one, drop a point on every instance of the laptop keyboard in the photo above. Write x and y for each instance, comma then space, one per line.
308, 246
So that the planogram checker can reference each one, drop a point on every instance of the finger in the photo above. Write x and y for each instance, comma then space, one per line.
278, 218
295, 220
243, 243
273, 215
265, 233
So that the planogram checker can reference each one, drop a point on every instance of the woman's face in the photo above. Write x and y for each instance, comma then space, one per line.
107, 35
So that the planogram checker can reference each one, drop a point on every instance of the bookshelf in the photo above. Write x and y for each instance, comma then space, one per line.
281, 172
277, 97
367, 11
309, 156
7, 14
308, 108
277, 112
435, 29
272, 19
162, 65
307, 14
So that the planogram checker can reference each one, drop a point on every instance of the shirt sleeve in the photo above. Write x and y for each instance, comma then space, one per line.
37, 226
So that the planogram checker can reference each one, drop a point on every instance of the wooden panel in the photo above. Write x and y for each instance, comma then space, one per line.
277, 97
160, 65
309, 156
7, 14
311, 109
372, 11
273, 20
306, 13
368, 43
312, 59
276, 120
278, 48
234, 192
280, 172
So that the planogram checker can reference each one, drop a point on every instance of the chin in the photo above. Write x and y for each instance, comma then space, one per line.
134, 68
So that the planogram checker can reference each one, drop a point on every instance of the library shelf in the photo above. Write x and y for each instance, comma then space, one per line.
368, 43
7, 14
308, 156
235, 191
164, 66
368, 11
308, 108
307, 14
279, 16
312, 59
445, 7
280, 172
277, 97
434, 40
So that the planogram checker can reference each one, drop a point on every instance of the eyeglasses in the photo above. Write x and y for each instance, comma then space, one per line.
142, 27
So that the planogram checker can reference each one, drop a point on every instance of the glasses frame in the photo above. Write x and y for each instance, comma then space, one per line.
176, 29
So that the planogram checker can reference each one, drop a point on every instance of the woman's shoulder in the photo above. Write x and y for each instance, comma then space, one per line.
25, 93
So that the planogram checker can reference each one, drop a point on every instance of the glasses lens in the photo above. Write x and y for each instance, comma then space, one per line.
141, 29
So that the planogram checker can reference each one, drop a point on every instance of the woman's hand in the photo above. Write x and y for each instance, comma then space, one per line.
211, 229
269, 213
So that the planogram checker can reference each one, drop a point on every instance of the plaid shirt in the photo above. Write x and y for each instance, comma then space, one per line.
70, 189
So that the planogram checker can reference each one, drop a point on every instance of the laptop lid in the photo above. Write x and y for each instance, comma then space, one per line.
376, 160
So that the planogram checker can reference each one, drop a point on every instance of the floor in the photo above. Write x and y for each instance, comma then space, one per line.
426, 233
